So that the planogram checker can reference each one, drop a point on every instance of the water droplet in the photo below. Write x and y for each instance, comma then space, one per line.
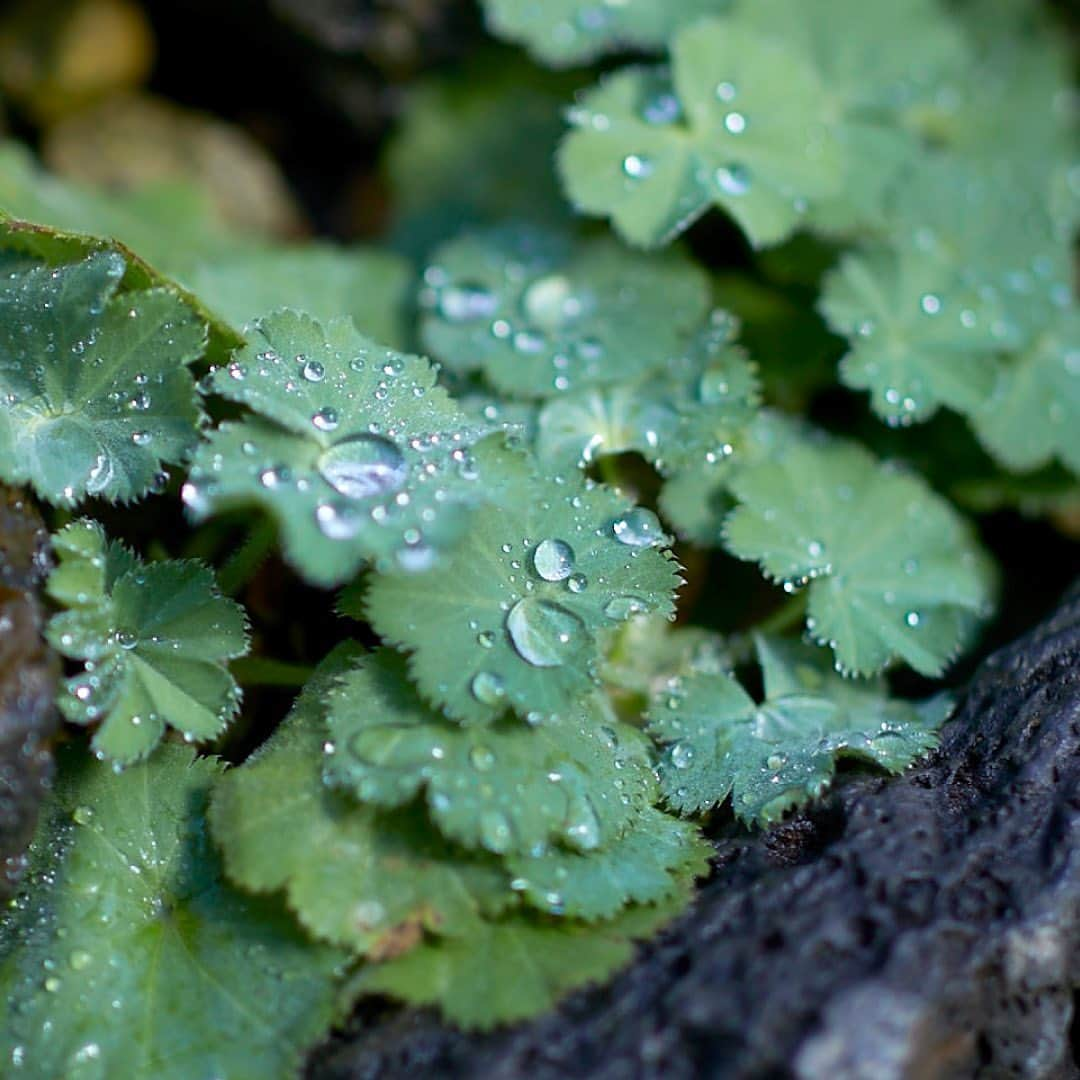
488, 688
638, 528
637, 166
733, 179
82, 815
483, 760
467, 302
545, 634
550, 301
553, 560
582, 827
725, 92
325, 419
577, 583
495, 833
664, 108
338, 520
621, 608
313, 371
775, 761
364, 466
368, 914
142, 438
485, 639
682, 755
80, 960
912, 618
735, 123
930, 304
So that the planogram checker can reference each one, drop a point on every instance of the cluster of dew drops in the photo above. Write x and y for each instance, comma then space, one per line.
546, 633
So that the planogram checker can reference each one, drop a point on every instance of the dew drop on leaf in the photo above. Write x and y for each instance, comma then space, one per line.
543, 633
733, 179
553, 560
638, 528
338, 520
488, 688
364, 466
467, 303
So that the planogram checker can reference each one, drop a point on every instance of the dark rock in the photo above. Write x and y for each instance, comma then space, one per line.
28, 671
926, 927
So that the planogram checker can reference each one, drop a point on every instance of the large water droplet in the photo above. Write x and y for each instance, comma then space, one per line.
544, 634
638, 528
553, 560
364, 466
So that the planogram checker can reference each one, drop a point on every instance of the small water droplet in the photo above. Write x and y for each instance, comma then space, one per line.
488, 688
483, 760
325, 419
637, 166
735, 123
733, 179
543, 633
577, 583
638, 528
682, 755
467, 302
495, 832
313, 371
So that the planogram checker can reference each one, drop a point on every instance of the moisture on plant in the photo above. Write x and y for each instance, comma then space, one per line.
474, 477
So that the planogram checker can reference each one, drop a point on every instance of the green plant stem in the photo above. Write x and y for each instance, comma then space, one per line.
241, 566
265, 671
789, 614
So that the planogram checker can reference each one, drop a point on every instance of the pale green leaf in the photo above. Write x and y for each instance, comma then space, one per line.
509, 619
507, 787
541, 315
153, 640
95, 381
371, 881
353, 449
654, 155
127, 955
893, 571
783, 752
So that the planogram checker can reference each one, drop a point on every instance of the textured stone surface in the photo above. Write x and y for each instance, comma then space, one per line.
923, 928
28, 673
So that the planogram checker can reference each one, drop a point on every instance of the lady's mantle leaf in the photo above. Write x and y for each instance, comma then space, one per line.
651, 862
1033, 413
565, 32
128, 956
512, 969
541, 316
153, 638
893, 570
353, 449
654, 154
94, 383
509, 618
507, 787
371, 881
781, 753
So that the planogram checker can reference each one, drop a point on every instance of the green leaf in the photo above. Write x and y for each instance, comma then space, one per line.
127, 955
654, 154
353, 449
153, 640
893, 571
782, 753
513, 969
565, 32
540, 315
371, 881
652, 862
1033, 414
913, 351
326, 281
509, 618
506, 787
691, 413
97, 391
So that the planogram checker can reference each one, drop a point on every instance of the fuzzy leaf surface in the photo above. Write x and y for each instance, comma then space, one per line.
353, 449
783, 752
509, 619
893, 570
370, 881
154, 640
540, 315
506, 787
653, 154
97, 391
127, 954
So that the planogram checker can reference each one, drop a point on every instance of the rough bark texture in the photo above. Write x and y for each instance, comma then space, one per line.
927, 927
28, 672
